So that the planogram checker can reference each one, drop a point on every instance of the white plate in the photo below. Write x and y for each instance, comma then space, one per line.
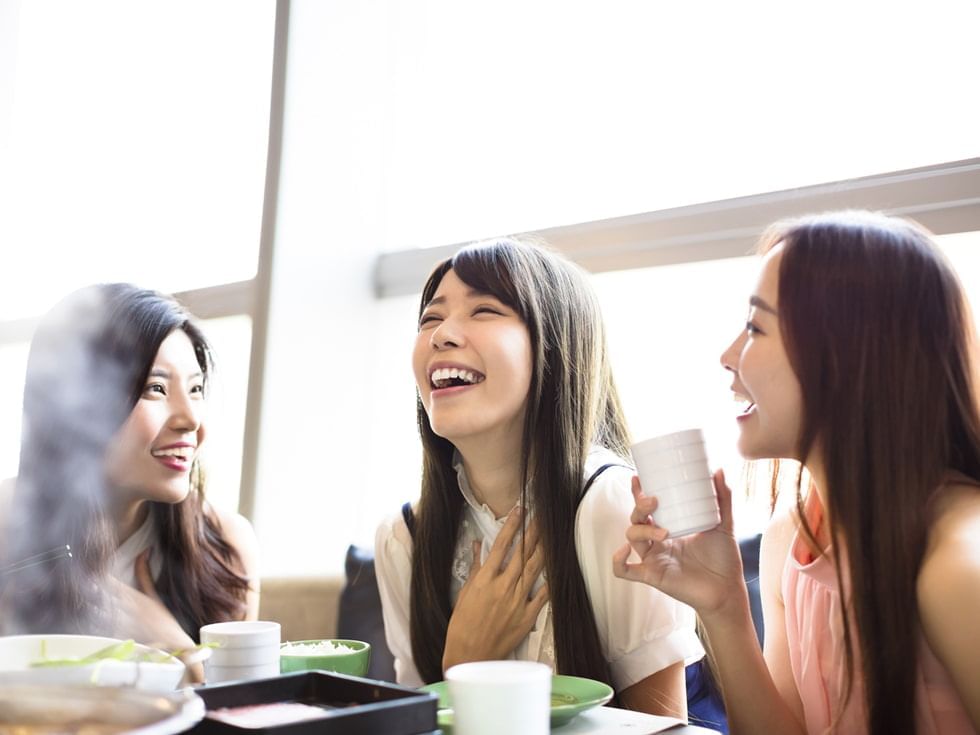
17, 652
139, 712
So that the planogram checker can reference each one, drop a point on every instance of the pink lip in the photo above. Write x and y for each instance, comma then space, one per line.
176, 445
447, 392
173, 463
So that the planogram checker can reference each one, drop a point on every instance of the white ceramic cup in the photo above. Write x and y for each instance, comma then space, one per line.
245, 649
674, 467
493, 697
242, 634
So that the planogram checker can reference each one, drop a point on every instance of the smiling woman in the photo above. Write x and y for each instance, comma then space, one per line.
113, 421
506, 555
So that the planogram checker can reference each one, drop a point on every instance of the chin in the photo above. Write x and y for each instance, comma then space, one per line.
171, 496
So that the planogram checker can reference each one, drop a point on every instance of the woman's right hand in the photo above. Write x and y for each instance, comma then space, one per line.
703, 570
497, 606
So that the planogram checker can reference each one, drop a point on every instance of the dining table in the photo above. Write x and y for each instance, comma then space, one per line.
613, 721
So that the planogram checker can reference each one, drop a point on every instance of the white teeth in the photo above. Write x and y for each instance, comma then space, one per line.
184, 453
441, 376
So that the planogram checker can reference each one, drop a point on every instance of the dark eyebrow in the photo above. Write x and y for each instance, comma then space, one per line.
161, 373
472, 293
435, 301
761, 304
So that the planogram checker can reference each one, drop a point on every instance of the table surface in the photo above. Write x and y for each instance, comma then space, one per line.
613, 721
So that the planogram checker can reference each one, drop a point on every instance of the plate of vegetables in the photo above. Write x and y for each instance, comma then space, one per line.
84, 659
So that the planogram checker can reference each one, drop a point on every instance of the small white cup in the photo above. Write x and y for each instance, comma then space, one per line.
242, 634
246, 649
493, 697
674, 467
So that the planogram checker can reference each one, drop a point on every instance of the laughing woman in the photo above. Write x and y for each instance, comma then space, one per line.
857, 361
114, 406
525, 492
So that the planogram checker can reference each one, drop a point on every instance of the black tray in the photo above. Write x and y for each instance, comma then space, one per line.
364, 705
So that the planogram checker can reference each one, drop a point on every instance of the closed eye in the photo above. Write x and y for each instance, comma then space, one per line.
487, 310
428, 319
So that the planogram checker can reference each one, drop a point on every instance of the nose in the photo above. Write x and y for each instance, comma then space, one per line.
730, 357
186, 412
447, 335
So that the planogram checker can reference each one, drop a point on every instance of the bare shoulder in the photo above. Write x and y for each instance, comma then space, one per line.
952, 556
778, 536
237, 531
948, 590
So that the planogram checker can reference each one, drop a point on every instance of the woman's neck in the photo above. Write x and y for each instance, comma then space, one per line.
818, 476
494, 474
127, 517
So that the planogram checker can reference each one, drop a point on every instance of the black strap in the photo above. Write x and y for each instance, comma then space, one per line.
588, 483
409, 515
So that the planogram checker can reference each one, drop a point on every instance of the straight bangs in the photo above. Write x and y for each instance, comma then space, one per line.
494, 268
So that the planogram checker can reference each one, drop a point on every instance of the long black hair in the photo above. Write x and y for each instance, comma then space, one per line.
572, 404
88, 363
879, 334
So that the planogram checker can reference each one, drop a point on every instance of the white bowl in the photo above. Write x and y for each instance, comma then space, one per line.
18, 652
61, 708
242, 634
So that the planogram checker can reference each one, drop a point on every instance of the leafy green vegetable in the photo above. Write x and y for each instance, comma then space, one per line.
123, 651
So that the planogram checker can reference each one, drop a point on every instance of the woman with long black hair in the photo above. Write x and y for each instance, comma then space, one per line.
525, 490
113, 424
858, 361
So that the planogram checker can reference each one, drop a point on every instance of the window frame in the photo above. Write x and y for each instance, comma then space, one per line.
941, 197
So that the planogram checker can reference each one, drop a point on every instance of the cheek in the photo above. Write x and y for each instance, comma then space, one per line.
520, 366
419, 359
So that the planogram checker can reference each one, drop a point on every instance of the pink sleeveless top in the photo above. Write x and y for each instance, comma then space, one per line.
816, 647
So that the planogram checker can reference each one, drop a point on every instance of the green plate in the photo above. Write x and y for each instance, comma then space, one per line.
570, 695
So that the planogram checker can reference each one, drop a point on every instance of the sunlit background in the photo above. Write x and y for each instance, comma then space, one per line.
133, 143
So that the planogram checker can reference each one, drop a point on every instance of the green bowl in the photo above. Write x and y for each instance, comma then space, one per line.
354, 663
570, 695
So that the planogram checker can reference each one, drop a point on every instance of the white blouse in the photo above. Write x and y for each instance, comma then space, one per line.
124, 560
641, 630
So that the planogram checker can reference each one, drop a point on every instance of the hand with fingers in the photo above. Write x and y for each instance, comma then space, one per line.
702, 570
144, 617
497, 606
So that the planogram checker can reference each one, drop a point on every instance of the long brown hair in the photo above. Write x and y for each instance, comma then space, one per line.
88, 364
878, 331
572, 403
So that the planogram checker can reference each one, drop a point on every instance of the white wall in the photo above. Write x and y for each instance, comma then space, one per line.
316, 453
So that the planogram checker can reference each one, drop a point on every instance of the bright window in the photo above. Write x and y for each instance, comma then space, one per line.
133, 143
136, 146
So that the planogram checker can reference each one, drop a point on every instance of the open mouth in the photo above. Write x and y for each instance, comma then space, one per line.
183, 454
441, 378
747, 403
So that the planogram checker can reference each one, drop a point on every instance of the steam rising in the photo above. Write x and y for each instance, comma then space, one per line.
75, 399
